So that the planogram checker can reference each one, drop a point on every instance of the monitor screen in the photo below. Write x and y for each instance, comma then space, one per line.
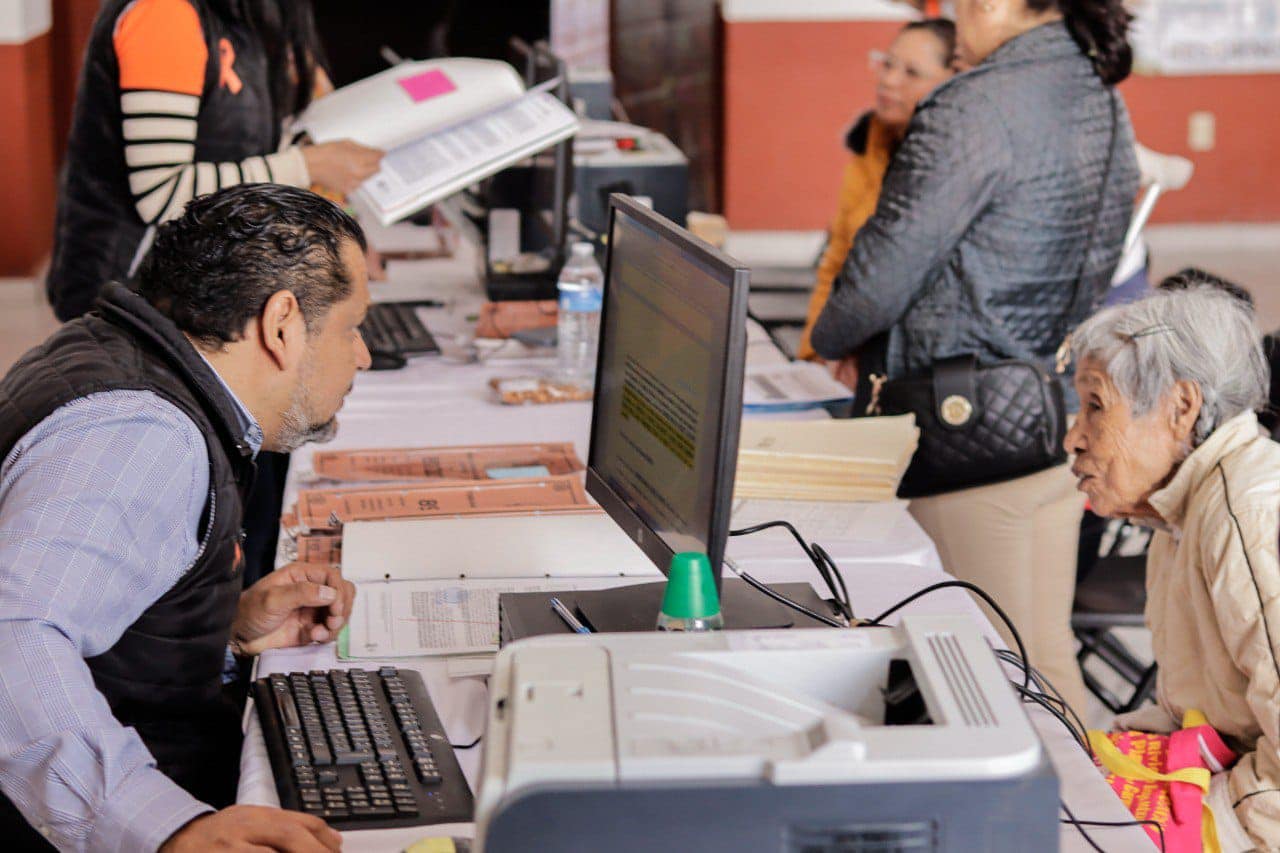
668, 401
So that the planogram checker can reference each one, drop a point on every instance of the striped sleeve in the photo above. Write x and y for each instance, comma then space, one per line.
162, 56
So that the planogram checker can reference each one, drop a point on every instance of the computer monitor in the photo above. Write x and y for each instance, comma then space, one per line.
668, 395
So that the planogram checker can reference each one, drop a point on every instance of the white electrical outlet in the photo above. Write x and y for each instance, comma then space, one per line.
1201, 130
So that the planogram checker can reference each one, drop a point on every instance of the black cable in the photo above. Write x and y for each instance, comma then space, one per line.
471, 745
1053, 707
822, 554
809, 552
1043, 682
822, 561
1046, 703
1017, 638
1071, 819
782, 599
1119, 823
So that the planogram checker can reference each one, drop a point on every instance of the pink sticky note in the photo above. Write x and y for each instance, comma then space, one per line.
428, 84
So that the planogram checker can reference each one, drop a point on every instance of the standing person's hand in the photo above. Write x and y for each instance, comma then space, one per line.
295, 605
845, 371
341, 166
244, 828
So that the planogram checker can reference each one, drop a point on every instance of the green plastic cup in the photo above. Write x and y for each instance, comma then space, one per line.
690, 602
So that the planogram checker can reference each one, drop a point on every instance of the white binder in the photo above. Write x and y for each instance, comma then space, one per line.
547, 546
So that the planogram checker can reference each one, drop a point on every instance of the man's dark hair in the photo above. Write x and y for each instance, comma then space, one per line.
213, 269
1195, 277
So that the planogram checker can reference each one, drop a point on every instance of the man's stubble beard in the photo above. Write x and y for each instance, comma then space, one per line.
296, 426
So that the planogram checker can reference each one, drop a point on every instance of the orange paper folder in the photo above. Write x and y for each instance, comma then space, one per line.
329, 509
478, 462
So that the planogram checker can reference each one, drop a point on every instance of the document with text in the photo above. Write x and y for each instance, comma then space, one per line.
436, 617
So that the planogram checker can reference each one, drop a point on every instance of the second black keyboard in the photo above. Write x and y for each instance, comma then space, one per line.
394, 327
361, 749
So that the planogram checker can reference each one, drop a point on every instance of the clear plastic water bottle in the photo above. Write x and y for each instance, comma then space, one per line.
581, 291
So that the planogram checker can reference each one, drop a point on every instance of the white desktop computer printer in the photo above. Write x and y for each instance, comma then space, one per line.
803, 741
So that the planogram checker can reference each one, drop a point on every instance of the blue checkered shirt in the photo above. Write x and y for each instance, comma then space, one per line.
99, 511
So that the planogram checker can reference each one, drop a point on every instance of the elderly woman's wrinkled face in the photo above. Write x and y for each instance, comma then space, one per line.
1122, 459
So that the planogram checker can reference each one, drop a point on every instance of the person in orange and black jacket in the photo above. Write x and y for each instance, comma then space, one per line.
178, 99
920, 58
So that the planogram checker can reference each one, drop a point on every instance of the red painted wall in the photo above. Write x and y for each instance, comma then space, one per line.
1239, 180
790, 89
26, 152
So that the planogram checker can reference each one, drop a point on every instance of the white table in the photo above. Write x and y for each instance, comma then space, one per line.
432, 402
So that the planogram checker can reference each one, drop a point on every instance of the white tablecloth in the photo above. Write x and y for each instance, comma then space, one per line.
437, 402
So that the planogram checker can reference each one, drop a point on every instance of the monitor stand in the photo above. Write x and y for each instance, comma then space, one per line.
635, 608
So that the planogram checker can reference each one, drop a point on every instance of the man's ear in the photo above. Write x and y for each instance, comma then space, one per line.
282, 330
1187, 400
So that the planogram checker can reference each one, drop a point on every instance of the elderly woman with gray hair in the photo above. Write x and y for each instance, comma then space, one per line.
1167, 436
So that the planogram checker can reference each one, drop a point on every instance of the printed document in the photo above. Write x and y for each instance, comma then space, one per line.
437, 617
427, 170
784, 387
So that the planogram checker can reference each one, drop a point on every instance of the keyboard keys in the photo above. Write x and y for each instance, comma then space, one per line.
357, 746
395, 327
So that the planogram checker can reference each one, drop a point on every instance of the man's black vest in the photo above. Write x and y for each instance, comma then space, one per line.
98, 230
164, 675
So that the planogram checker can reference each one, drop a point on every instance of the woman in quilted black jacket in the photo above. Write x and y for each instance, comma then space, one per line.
992, 207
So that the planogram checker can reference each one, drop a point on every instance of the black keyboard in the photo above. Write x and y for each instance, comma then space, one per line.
394, 327
361, 749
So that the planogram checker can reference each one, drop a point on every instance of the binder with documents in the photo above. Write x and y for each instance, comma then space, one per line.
432, 586
558, 546
444, 123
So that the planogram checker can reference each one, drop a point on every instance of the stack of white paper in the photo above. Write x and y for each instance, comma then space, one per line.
860, 459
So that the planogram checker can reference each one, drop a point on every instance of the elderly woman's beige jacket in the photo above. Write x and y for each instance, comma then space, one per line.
1213, 606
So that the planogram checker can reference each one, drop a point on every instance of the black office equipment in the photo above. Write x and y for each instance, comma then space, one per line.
361, 749
382, 360
540, 191
528, 614
394, 327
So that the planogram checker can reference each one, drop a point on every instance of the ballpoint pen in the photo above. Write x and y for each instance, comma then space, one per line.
569, 619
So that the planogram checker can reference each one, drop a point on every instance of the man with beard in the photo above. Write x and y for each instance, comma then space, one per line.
127, 442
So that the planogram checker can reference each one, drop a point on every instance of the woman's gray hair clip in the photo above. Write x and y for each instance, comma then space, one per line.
1158, 328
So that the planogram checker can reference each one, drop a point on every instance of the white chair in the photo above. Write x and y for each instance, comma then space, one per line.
1158, 173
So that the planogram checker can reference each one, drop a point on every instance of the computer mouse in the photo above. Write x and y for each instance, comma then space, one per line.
383, 360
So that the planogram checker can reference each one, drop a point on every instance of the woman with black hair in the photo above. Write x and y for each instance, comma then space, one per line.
999, 224
177, 99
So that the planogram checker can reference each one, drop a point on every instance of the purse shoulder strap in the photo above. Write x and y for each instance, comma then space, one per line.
1102, 201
